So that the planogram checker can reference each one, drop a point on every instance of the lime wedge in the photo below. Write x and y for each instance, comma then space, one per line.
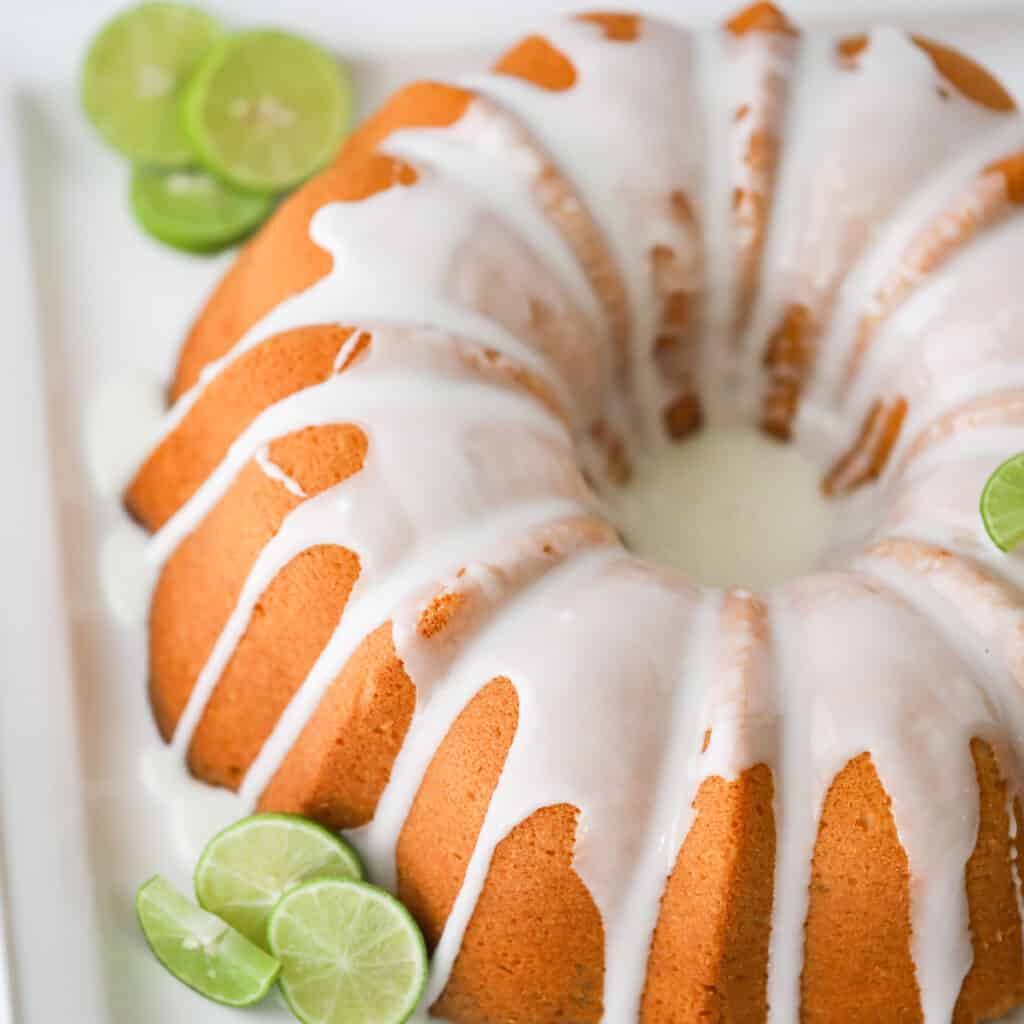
1002, 504
193, 210
133, 77
349, 952
248, 867
266, 109
202, 950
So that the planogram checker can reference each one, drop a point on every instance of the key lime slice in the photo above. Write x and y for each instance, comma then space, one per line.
248, 867
200, 949
266, 109
134, 75
350, 954
193, 210
1002, 504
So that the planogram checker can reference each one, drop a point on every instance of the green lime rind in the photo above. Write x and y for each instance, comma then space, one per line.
266, 109
246, 868
350, 954
194, 210
201, 950
134, 75
1002, 504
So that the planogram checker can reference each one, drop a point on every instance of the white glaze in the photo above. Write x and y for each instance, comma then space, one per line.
730, 508
126, 576
837, 635
960, 336
940, 191
838, 188
275, 472
627, 188
751, 73
467, 481
196, 812
123, 419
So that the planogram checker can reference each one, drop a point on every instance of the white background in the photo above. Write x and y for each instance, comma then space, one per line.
83, 296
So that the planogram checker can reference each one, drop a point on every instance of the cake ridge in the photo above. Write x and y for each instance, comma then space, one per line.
943, 586
939, 936
532, 755
559, 120
629, 943
808, 268
952, 184
389, 594
320, 404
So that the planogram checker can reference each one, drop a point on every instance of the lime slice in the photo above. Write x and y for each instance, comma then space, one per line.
1002, 504
193, 210
266, 109
248, 867
202, 950
350, 954
133, 77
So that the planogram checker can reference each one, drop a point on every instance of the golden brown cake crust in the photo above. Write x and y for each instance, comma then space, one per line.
709, 955
534, 948
272, 370
290, 625
341, 762
867, 457
787, 359
191, 604
995, 982
419, 105
619, 28
967, 77
760, 17
203, 578
537, 61
857, 962
280, 261
451, 803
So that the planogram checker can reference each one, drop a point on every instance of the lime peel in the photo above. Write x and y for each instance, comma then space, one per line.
202, 950
194, 211
134, 75
247, 867
1002, 504
266, 109
376, 956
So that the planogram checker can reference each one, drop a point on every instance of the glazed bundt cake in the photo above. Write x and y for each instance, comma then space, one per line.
390, 597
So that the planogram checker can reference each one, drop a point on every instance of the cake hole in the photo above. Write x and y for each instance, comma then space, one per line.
730, 507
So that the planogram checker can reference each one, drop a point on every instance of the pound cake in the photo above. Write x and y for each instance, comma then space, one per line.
391, 597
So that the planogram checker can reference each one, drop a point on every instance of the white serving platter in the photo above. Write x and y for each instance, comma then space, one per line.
89, 306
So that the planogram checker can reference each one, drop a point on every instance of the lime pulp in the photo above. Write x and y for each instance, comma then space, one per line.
1002, 504
250, 865
200, 949
134, 75
193, 210
350, 954
266, 109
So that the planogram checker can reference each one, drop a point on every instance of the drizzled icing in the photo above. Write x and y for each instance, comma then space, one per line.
835, 633
545, 766
629, 189
746, 117
467, 477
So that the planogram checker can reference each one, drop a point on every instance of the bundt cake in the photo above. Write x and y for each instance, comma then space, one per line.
391, 596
